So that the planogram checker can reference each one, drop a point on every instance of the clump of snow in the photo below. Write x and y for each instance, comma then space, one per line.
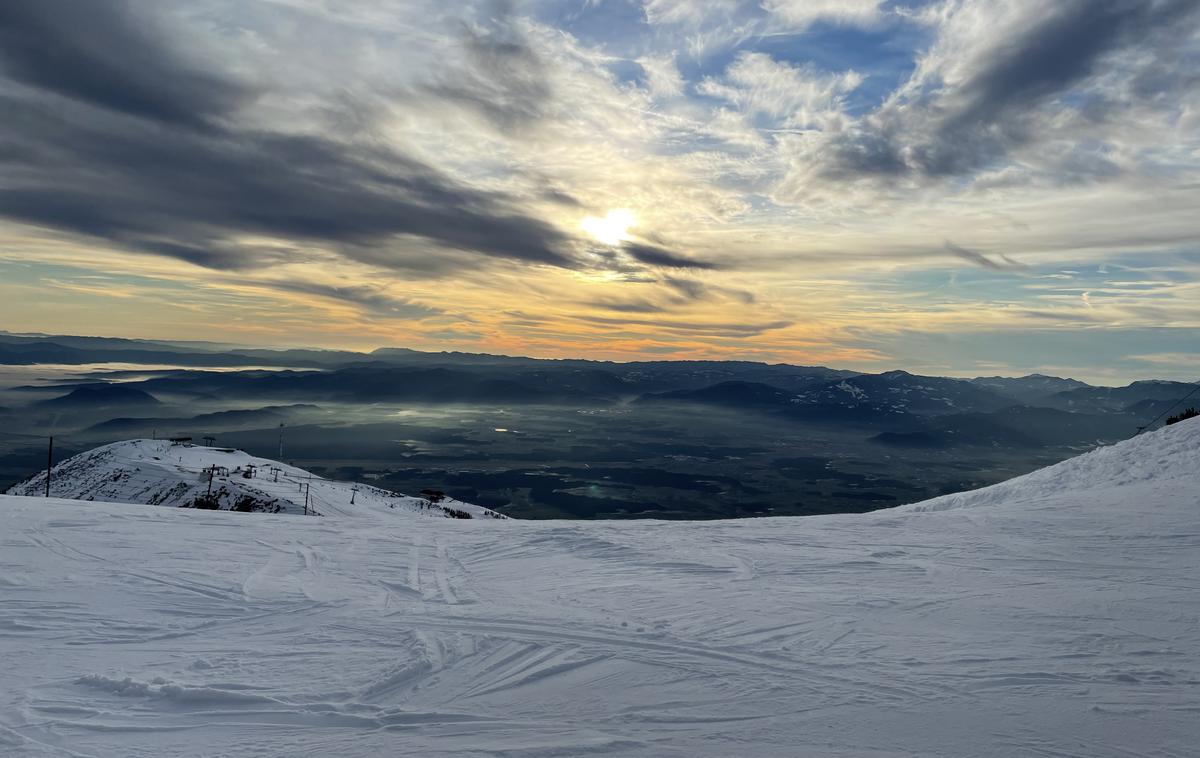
1054, 615
856, 392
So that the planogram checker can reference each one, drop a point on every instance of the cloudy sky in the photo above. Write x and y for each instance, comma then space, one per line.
963, 187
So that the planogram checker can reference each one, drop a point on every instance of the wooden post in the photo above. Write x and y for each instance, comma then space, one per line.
49, 464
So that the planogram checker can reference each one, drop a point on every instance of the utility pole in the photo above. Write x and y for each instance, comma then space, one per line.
211, 471
306, 488
353, 493
49, 464
281, 442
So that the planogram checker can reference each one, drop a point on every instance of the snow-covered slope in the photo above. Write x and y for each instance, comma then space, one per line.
1165, 463
1055, 615
159, 472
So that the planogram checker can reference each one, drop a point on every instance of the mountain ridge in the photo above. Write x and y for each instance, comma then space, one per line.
180, 474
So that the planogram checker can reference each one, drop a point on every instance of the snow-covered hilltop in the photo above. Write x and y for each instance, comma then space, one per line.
1056, 614
161, 472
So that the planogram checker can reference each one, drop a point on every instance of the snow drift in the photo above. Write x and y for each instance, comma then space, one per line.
1053, 615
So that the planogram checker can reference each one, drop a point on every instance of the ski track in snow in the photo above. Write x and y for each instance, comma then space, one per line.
1053, 615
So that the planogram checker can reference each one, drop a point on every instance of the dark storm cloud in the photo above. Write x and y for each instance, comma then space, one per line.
100, 53
689, 327
503, 78
561, 197
1074, 316
680, 292
214, 255
1061, 51
692, 290
129, 162
950, 132
688, 288
629, 306
979, 259
369, 298
653, 255
862, 151
1053, 56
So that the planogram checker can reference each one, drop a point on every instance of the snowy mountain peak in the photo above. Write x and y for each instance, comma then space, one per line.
180, 474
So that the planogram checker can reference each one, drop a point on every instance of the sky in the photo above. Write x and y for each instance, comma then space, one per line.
963, 187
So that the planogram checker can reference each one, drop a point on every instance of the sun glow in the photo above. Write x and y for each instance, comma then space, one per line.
613, 229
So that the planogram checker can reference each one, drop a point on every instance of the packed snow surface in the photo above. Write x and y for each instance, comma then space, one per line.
1053, 615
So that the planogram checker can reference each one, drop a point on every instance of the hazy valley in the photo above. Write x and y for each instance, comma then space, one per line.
566, 438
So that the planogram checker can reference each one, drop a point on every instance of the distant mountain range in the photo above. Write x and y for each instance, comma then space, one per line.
938, 412
95, 396
899, 408
217, 421
27, 350
1031, 389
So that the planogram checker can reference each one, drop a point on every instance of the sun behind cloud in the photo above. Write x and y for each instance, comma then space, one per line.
613, 229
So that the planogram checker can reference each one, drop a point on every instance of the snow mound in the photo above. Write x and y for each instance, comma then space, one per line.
161, 472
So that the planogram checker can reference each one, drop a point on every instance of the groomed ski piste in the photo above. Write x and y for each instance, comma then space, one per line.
1057, 614
162, 472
